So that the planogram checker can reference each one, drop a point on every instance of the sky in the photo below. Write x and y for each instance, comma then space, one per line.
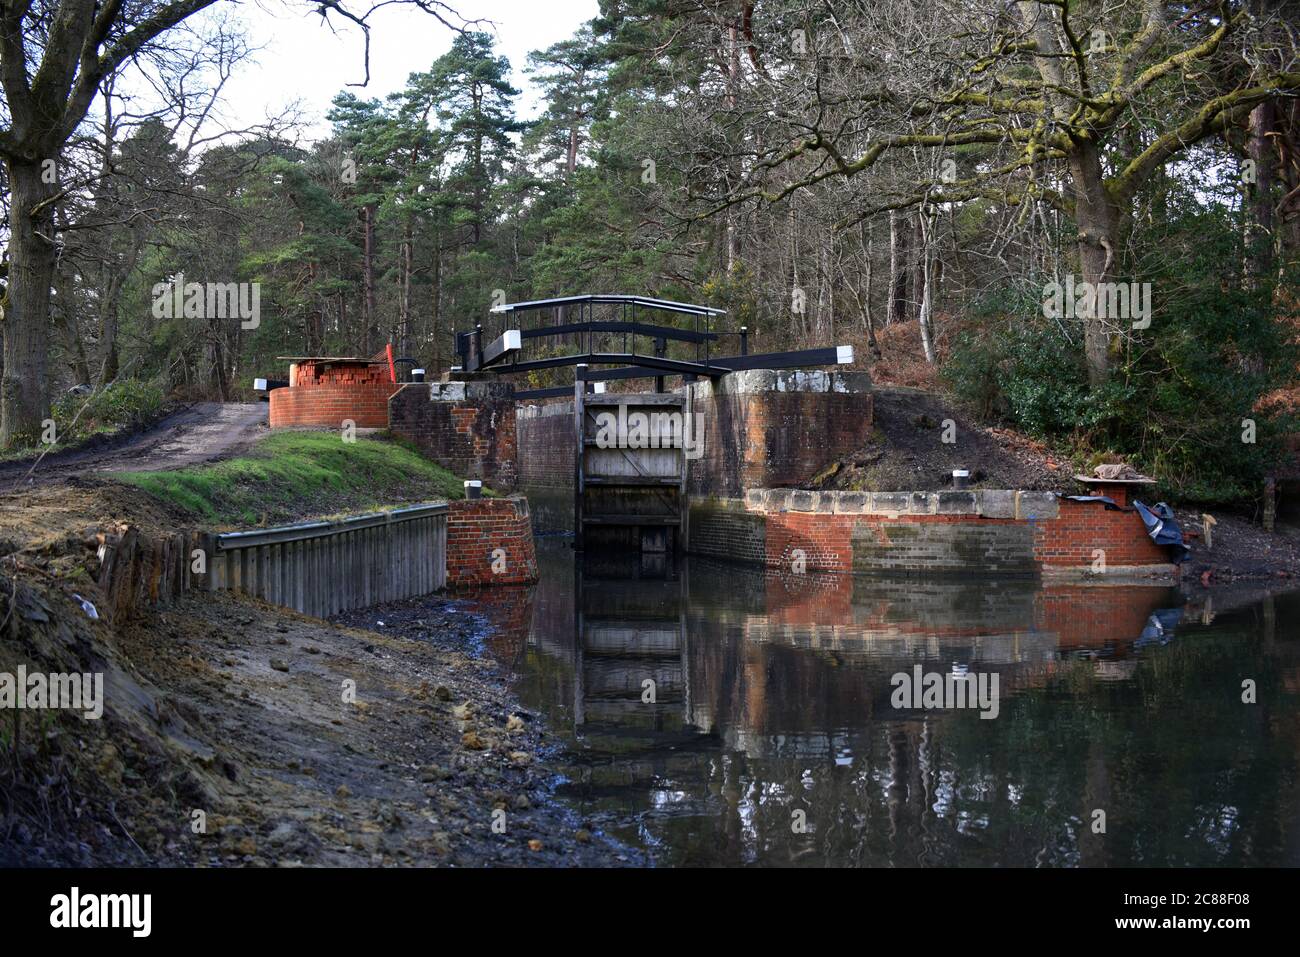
301, 59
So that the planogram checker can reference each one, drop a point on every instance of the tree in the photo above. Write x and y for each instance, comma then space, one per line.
54, 56
572, 74
1070, 104
476, 106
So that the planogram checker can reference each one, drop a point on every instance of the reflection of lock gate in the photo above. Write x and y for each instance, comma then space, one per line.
630, 631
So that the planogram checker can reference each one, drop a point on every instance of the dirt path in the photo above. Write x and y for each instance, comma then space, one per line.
198, 433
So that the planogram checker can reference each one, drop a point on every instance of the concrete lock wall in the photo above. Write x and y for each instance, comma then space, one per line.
776, 429
993, 532
546, 447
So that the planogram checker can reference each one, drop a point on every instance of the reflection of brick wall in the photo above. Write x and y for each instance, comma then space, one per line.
365, 403
467, 428
476, 529
1089, 617
978, 532
510, 610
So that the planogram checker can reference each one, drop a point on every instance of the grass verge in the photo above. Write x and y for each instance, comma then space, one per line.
290, 476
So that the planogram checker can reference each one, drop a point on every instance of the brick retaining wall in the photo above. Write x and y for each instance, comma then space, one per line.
989, 532
477, 529
466, 427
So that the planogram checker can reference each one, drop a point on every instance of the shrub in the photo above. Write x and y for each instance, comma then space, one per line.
122, 404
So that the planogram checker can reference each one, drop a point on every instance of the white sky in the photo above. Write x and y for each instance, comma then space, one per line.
300, 59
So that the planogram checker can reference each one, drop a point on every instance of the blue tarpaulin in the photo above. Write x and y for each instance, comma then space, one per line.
1164, 530
1104, 499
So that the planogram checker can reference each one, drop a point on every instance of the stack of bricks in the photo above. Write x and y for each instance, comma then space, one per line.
329, 393
490, 542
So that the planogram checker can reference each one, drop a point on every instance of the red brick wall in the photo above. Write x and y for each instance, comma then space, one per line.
328, 405
342, 373
1082, 527
467, 428
776, 439
476, 529
847, 532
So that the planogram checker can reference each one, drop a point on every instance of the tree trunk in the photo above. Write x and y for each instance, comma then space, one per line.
369, 329
77, 361
571, 161
111, 293
435, 331
1262, 193
1098, 223
408, 267
897, 311
32, 256
924, 284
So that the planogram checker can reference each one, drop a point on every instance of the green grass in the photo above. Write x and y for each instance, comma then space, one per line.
289, 476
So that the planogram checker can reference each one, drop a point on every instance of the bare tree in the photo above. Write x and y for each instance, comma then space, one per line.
55, 56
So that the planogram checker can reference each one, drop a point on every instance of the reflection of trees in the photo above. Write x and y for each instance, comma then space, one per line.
796, 717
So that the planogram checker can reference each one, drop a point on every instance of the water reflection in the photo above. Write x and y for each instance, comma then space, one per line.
717, 714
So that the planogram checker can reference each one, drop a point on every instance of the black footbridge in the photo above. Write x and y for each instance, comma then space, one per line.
621, 337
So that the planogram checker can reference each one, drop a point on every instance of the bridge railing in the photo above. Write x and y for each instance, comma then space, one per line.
322, 568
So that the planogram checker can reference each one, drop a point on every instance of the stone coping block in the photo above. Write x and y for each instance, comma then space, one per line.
996, 503
851, 503
956, 502
777, 500
984, 503
447, 391
461, 391
803, 501
1034, 505
893, 502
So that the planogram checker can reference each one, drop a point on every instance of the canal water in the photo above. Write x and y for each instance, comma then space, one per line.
716, 714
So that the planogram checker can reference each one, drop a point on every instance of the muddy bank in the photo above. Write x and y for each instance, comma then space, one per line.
908, 451
1235, 550
297, 742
